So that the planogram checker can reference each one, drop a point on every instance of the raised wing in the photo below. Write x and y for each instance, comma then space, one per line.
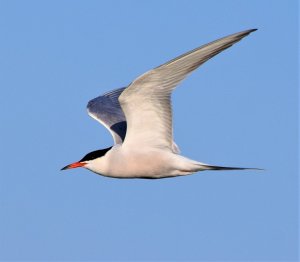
146, 102
106, 109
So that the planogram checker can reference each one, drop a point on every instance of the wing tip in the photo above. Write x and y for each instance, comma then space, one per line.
253, 30
244, 33
249, 31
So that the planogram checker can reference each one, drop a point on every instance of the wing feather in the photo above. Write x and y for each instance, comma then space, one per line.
106, 109
146, 102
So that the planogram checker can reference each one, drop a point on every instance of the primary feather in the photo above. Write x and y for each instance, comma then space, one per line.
146, 102
106, 109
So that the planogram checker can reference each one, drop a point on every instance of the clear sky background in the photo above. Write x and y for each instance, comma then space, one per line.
239, 109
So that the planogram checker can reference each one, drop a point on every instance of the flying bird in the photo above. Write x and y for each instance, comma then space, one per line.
139, 118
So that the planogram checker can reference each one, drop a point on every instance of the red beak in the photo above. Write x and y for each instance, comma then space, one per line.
74, 165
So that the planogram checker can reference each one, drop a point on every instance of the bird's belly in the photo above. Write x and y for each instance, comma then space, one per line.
143, 164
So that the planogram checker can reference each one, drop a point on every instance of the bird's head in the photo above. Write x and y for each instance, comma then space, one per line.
88, 159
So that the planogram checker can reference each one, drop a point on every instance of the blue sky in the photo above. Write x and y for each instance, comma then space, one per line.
239, 109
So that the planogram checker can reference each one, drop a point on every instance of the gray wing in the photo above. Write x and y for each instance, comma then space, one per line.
146, 102
106, 109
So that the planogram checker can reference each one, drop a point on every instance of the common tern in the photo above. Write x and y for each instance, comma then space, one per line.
139, 118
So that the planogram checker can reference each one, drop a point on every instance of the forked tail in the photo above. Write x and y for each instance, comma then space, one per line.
210, 167
187, 166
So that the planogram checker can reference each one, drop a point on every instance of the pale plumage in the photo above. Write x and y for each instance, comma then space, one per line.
139, 117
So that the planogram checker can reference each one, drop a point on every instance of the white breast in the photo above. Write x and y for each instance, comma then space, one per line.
147, 163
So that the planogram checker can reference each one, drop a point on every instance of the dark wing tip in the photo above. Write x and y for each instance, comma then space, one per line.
252, 30
249, 31
242, 34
